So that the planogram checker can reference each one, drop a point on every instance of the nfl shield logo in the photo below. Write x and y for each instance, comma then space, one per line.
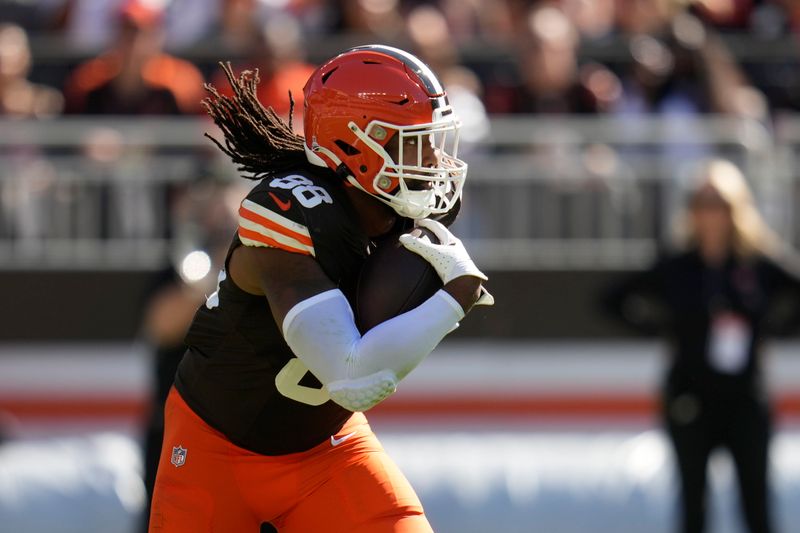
178, 456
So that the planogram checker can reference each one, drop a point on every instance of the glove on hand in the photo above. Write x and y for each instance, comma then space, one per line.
449, 258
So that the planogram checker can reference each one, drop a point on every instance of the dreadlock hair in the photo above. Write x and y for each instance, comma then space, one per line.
257, 140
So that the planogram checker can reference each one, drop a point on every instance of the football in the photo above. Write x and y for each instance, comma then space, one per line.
392, 281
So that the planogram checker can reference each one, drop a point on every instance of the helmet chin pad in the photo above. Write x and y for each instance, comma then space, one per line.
414, 204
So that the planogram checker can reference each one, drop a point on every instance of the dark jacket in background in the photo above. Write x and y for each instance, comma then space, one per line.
712, 400
679, 298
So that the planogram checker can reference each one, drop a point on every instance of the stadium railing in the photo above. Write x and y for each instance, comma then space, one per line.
542, 192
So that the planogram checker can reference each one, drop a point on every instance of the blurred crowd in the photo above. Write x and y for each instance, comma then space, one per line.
494, 56
622, 58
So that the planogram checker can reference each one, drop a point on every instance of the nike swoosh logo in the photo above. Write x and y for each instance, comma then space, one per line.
285, 206
335, 442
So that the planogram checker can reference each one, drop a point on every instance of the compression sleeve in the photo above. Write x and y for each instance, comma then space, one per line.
360, 371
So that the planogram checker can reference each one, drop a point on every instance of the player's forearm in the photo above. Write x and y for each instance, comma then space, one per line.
402, 342
323, 335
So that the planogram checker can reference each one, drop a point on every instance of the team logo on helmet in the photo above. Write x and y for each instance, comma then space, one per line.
178, 456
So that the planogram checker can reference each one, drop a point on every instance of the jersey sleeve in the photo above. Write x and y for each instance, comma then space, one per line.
269, 218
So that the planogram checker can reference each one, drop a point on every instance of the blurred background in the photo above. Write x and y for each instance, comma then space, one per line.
583, 122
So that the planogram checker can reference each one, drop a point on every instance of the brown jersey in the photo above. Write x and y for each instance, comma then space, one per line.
239, 374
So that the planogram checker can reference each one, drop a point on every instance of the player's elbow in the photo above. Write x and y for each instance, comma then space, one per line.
361, 394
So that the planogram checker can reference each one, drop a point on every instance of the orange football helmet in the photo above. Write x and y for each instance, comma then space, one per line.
358, 102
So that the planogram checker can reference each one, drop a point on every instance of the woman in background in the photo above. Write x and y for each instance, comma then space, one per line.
716, 301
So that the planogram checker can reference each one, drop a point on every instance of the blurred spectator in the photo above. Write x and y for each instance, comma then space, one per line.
135, 76
777, 74
763, 19
640, 17
316, 17
553, 82
551, 79
725, 13
594, 19
431, 38
279, 55
26, 190
187, 22
86, 24
206, 221
685, 68
238, 24
229, 27
376, 19
716, 300
432, 42
18, 96
489, 20
681, 71
25, 14
171, 304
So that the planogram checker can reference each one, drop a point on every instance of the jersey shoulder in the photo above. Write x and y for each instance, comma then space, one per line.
283, 212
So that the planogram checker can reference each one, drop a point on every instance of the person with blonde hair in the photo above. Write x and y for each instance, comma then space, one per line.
716, 299
720, 180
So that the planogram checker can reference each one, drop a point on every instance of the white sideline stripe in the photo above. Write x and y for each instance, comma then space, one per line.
118, 369
456, 367
282, 238
275, 217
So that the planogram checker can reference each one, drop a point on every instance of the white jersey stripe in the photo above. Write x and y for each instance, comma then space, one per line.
277, 236
275, 217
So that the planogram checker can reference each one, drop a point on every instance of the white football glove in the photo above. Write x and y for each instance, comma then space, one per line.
485, 298
449, 258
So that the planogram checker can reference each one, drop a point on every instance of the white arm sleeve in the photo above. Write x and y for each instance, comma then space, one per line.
361, 371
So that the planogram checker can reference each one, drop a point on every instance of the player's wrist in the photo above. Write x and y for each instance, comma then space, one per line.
465, 290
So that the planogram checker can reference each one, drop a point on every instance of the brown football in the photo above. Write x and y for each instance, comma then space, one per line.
392, 281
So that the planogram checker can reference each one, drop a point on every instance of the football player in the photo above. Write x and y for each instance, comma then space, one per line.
265, 422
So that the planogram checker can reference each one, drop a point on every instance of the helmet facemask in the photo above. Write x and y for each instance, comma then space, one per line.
413, 186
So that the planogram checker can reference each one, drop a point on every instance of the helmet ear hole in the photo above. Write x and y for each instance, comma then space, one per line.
348, 149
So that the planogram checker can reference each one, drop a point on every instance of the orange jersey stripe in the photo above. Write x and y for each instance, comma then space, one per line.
255, 236
274, 226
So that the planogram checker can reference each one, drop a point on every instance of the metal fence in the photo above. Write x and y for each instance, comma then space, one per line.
560, 192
